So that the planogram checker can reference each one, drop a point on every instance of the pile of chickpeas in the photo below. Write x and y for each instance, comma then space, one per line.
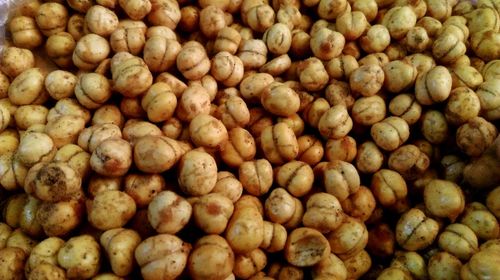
250, 139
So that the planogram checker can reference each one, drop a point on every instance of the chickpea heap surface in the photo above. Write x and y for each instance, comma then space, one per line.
250, 139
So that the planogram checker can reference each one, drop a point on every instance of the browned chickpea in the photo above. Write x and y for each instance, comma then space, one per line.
315, 110
161, 212
344, 246
253, 53
245, 231
192, 61
388, 187
258, 17
35, 147
312, 74
212, 212
444, 199
252, 86
14, 61
280, 206
409, 161
406, 107
433, 86
194, 101
475, 136
101, 20
381, 240
110, 209
335, 123
331, 9
444, 265
90, 50
324, 212
341, 149
112, 157
417, 40
256, 176
327, 44
279, 99
28, 88
390, 133
227, 68
279, 143
434, 127
310, 149
399, 20
162, 256
51, 18
306, 247
341, 179
458, 240
367, 80
297, 177
197, 173
358, 264
143, 187
368, 110
481, 221
399, 75
488, 96
212, 252
369, 158
25, 33
120, 245
228, 39
278, 39
415, 231
13, 259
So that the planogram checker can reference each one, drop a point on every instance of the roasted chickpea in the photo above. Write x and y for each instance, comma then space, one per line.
306, 247
80, 256
214, 252
327, 44
51, 18
415, 230
25, 33
197, 173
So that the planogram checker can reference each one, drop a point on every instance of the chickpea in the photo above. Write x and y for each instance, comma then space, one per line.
101, 20
415, 231
434, 127
245, 231
60, 84
160, 53
259, 17
367, 80
388, 187
312, 74
25, 33
253, 53
192, 61
332, 9
212, 212
369, 158
327, 44
28, 88
227, 68
194, 101
90, 50
14, 61
409, 161
481, 221
161, 212
112, 157
80, 256
488, 97
444, 265
340, 179
214, 251
197, 173
352, 25
459, 240
51, 18
319, 206
120, 245
342, 245
475, 136
279, 99
341, 149
279, 143
302, 251
110, 209
390, 133
399, 20
13, 259
381, 240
